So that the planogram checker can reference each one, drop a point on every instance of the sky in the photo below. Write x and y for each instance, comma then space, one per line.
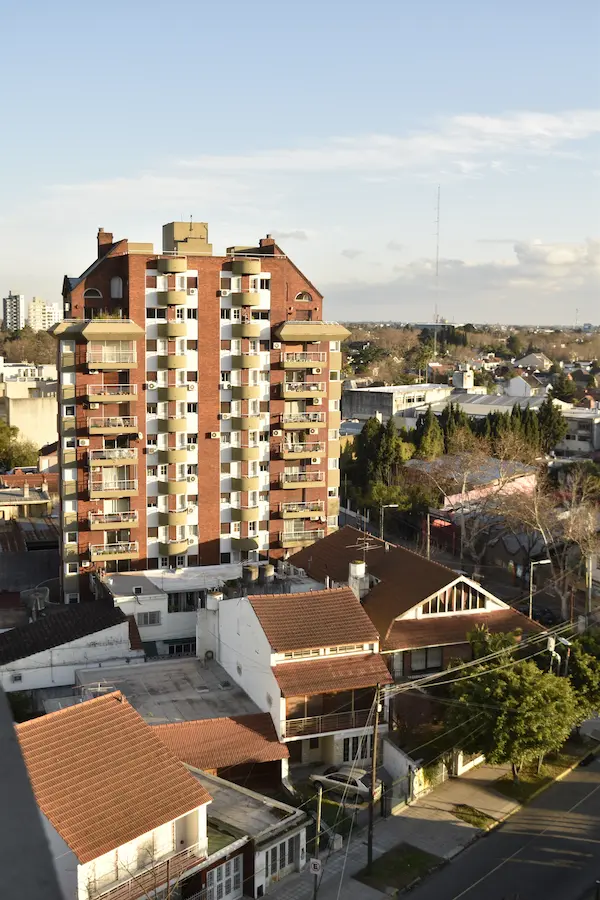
328, 123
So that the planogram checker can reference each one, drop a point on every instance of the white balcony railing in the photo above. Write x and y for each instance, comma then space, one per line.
111, 390
129, 484
302, 418
122, 548
308, 506
112, 422
304, 387
110, 355
115, 453
288, 477
302, 537
128, 517
305, 358
307, 447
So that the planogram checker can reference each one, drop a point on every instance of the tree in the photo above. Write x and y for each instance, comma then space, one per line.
430, 437
15, 452
514, 345
524, 713
584, 672
552, 425
483, 641
563, 388
366, 451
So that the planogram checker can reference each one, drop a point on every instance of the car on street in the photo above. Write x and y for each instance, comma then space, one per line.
355, 783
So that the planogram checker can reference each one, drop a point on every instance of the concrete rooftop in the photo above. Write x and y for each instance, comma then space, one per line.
178, 690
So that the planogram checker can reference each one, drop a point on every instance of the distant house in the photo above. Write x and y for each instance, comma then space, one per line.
525, 385
535, 361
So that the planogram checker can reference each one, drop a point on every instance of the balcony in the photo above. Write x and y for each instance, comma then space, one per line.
296, 390
245, 483
119, 456
173, 392
245, 298
111, 358
111, 393
102, 521
245, 514
245, 361
175, 455
173, 486
290, 480
300, 451
121, 550
244, 543
300, 538
127, 487
302, 510
248, 453
112, 425
175, 265
173, 548
296, 331
172, 425
303, 420
173, 517
245, 391
245, 423
171, 329
144, 884
245, 266
303, 360
171, 298
327, 723
109, 327
173, 361
245, 329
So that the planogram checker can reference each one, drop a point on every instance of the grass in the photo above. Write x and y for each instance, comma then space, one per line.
530, 781
473, 816
398, 868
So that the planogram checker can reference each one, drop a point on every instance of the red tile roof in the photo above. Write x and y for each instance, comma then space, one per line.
33, 479
438, 631
102, 777
220, 743
313, 619
330, 674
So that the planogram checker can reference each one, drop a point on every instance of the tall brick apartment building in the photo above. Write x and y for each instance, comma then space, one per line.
199, 407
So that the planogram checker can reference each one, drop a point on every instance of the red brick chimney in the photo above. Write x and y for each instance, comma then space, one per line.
105, 240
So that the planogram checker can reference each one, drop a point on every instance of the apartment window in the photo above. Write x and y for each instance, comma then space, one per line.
67, 346
163, 471
260, 314
265, 284
192, 313
332, 492
332, 521
304, 296
334, 434
164, 562
225, 377
185, 648
153, 533
152, 503
152, 409
149, 618
180, 562
226, 314
69, 443
334, 346
426, 659
263, 467
71, 537
225, 437
236, 314
192, 377
72, 568
334, 406
150, 312
161, 314
333, 463
334, 375
69, 412
151, 346
70, 474
225, 558
72, 598
192, 407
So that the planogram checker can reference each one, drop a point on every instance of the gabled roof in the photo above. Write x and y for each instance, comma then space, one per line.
102, 777
221, 743
313, 619
446, 630
58, 627
330, 674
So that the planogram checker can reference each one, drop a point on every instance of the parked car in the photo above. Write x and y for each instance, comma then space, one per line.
351, 781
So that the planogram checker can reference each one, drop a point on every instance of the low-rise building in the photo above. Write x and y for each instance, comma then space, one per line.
535, 361
47, 652
31, 405
25, 502
392, 400
525, 385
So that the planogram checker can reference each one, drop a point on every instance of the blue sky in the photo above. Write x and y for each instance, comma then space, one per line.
327, 123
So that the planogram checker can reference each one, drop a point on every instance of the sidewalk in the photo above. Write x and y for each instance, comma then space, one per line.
428, 824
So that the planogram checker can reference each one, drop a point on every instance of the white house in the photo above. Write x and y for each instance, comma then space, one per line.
525, 385
538, 361
309, 659
124, 819
46, 653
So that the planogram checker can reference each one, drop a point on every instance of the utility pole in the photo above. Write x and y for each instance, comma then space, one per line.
428, 535
318, 837
373, 781
588, 582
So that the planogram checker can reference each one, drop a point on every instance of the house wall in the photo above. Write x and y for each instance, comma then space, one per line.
36, 417
172, 625
65, 862
264, 881
244, 652
58, 665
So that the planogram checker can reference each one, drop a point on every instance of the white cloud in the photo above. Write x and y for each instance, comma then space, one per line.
351, 253
394, 246
297, 235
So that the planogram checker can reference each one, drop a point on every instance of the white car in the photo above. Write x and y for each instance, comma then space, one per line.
351, 781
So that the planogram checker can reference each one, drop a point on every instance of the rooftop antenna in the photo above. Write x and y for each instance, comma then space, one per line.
437, 269
191, 222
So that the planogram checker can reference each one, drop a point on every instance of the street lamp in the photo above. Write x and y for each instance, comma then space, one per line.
381, 509
535, 562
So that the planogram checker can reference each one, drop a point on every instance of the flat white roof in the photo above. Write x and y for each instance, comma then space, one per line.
404, 388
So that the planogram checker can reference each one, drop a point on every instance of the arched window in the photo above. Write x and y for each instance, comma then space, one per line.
92, 294
304, 296
116, 288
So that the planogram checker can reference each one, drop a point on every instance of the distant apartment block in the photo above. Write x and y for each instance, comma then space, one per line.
199, 407
41, 316
13, 311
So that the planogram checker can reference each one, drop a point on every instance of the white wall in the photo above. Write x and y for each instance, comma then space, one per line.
65, 861
172, 625
57, 666
245, 653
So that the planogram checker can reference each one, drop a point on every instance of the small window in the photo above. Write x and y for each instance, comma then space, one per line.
226, 314
92, 294
116, 287
192, 313
69, 412
152, 502
149, 618
180, 561
304, 297
72, 598
150, 312
265, 284
137, 590
71, 537
192, 407
72, 568
151, 346
225, 558
16, 677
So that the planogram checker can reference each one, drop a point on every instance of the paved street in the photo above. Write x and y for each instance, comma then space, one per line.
550, 850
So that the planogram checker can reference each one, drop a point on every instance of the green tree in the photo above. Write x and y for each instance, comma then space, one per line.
514, 344
15, 452
430, 437
563, 388
584, 672
483, 641
524, 713
552, 425
366, 450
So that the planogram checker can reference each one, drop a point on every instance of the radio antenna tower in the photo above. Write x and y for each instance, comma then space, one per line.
437, 270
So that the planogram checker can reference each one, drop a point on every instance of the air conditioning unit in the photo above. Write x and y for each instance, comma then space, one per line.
83, 442
192, 292
276, 345
214, 435
317, 401
192, 479
276, 433
151, 448
191, 541
225, 416
85, 563
94, 406
314, 460
314, 518
313, 431
191, 387
151, 385
192, 447
94, 371
224, 293
317, 371
191, 509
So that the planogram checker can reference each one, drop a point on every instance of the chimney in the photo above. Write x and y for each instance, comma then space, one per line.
105, 241
358, 579
268, 241
25, 490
